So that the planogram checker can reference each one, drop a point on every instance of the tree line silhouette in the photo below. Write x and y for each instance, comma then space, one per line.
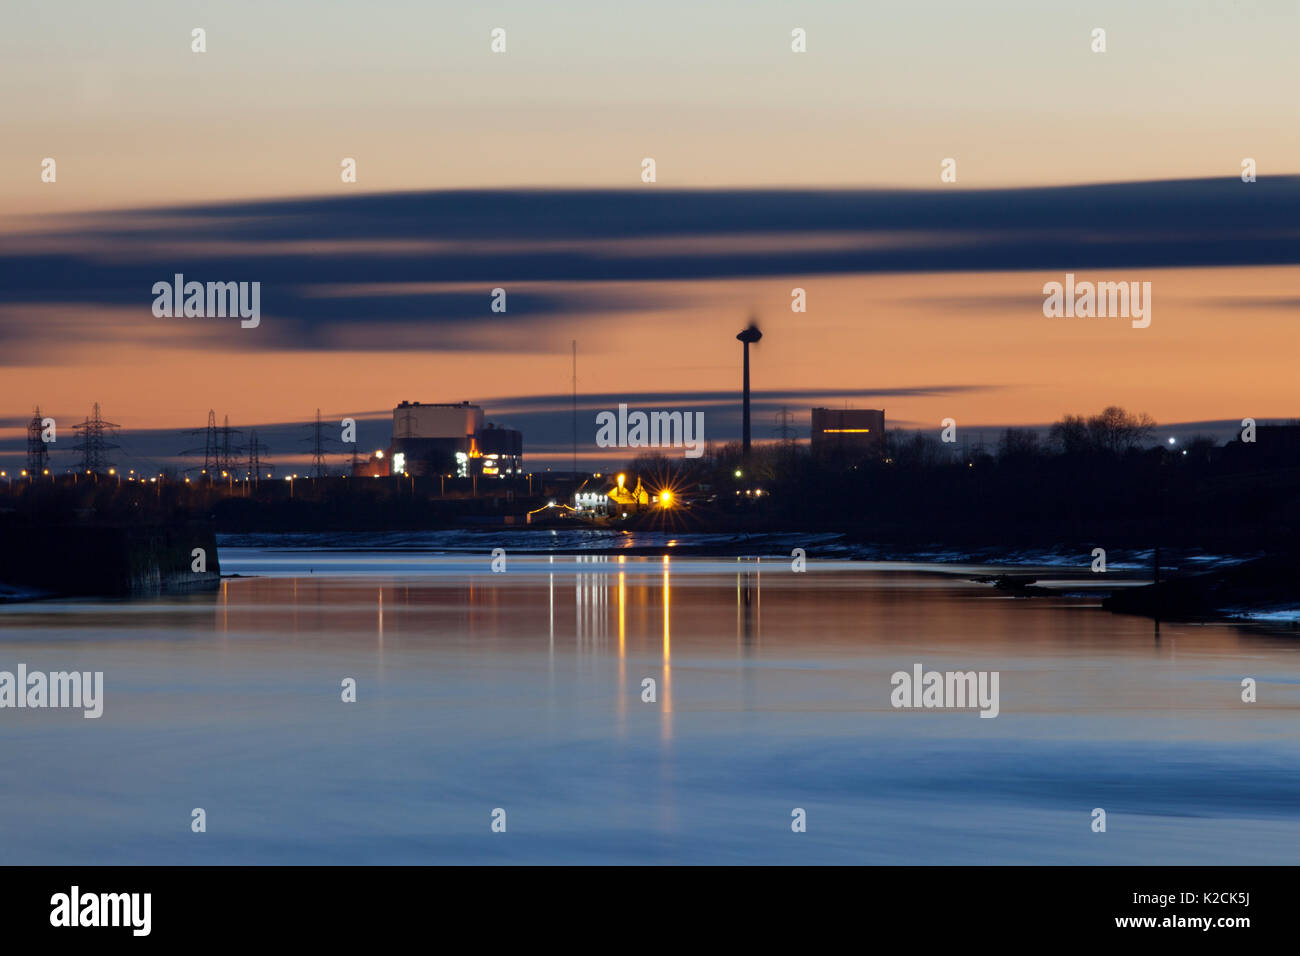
1099, 480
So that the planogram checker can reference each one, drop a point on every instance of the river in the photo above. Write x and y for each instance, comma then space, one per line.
519, 696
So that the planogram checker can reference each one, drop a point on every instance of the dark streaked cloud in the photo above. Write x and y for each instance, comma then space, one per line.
592, 402
1280, 303
1093, 213
413, 270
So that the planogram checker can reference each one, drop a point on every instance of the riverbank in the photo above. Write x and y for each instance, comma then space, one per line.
1263, 589
107, 560
1258, 587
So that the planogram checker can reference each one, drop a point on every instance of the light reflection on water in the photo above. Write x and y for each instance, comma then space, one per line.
523, 690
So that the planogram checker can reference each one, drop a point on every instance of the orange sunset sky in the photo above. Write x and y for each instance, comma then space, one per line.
1012, 90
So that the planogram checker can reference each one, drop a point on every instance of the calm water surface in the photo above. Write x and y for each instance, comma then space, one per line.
522, 691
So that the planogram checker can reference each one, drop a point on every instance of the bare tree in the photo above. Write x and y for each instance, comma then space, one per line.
1114, 431
1070, 435
1117, 432
1018, 443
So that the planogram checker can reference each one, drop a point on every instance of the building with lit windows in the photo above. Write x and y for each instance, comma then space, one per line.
611, 497
500, 450
375, 467
434, 439
848, 433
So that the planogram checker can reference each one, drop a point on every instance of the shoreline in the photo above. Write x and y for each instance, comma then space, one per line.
1196, 586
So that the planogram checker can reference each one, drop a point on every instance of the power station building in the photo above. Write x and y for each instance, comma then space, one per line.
452, 440
848, 433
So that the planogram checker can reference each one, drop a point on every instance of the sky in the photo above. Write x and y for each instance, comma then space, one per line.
522, 170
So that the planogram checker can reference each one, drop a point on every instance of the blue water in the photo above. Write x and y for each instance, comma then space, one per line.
521, 690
